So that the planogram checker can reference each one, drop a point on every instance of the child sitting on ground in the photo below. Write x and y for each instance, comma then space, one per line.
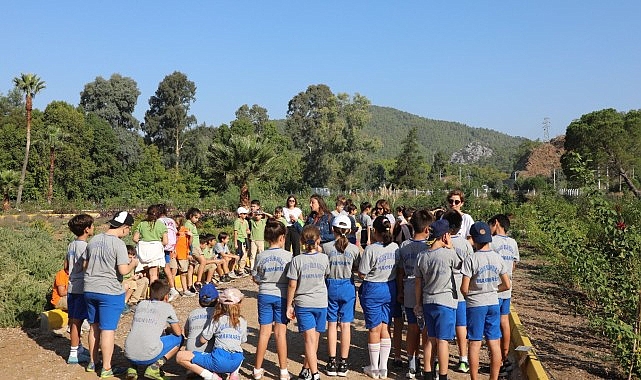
198, 318
229, 329
145, 344
134, 283
60, 285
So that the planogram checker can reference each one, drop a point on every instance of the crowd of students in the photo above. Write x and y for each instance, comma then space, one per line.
440, 272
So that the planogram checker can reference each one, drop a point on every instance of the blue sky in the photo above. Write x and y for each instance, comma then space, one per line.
498, 65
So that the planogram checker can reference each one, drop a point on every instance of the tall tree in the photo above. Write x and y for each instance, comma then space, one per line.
439, 166
242, 160
9, 180
30, 85
54, 139
113, 100
409, 170
168, 116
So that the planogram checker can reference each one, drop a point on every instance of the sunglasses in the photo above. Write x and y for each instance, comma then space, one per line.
454, 201
291, 200
378, 208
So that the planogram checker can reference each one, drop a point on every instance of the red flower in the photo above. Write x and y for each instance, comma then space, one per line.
621, 225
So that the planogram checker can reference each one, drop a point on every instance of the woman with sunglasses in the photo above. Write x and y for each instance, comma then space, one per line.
292, 214
455, 201
382, 207
321, 217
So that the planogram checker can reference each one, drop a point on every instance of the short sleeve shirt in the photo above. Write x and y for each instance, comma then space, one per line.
341, 265
194, 326
220, 248
241, 226
195, 238
295, 212
435, 268
408, 254
104, 253
149, 322
62, 278
227, 337
75, 254
310, 271
270, 271
379, 262
151, 231
463, 249
484, 269
258, 228
507, 248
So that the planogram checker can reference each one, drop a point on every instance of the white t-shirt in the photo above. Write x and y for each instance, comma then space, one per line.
295, 212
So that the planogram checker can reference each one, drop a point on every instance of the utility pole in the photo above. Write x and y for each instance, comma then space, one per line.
546, 129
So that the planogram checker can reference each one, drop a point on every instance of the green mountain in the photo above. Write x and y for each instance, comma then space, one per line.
391, 126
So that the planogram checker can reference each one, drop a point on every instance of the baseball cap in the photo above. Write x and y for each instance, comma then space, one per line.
121, 218
481, 233
342, 221
208, 293
439, 228
231, 296
242, 210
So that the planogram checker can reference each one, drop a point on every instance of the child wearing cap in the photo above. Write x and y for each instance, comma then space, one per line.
484, 274
229, 330
344, 258
307, 296
270, 273
507, 248
241, 234
435, 294
198, 318
408, 253
145, 344
378, 269
463, 249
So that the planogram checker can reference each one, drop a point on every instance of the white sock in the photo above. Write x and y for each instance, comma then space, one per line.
463, 359
207, 375
74, 351
374, 350
386, 348
412, 362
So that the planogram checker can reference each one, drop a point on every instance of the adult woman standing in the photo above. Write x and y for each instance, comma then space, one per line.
106, 261
455, 201
320, 217
382, 207
292, 213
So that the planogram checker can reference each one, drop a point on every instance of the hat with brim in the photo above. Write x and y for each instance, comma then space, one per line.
438, 229
121, 218
481, 233
231, 296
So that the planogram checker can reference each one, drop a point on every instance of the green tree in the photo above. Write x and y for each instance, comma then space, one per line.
113, 100
9, 180
30, 85
409, 171
168, 118
439, 166
243, 160
55, 137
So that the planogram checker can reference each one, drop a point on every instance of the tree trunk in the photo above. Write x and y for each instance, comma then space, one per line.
52, 158
244, 195
6, 205
23, 173
628, 182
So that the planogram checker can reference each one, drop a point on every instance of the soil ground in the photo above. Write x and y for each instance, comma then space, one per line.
566, 347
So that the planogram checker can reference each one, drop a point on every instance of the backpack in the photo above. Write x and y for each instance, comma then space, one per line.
172, 231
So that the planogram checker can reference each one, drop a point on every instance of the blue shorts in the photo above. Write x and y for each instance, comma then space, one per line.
219, 360
104, 309
341, 300
461, 314
169, 342
311, 318
483, 321
167, 257
76, 306
439, 321
377, 300
271, 309
411, 317
504, 305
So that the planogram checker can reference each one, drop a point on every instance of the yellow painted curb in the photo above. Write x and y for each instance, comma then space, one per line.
528, 362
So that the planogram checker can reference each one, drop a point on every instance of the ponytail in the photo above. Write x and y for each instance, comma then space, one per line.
382, 226
341, 241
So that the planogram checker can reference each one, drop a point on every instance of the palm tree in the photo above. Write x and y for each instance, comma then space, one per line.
244, 159
8, 181
55, 137
30, 85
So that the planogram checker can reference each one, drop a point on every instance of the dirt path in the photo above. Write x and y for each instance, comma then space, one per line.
567, 349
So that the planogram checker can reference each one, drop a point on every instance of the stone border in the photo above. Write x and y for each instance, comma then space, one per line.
530, 365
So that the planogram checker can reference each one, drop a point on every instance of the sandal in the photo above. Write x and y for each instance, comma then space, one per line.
258, 373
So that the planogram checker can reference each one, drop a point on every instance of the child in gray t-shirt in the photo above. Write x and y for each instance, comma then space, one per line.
146, 345
308, 292
198, 318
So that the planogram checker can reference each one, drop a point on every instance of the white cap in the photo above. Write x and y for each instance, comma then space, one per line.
242, 210
342, 221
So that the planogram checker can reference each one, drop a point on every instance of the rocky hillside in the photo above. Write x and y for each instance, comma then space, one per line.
544, 158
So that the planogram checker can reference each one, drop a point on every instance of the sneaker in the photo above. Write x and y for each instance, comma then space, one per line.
248, 270
332, 368
153, 372
85, 326
188, 293
411, 373
132, 374
342, 368
258, 373
232, 274
113, 372
91, 367
382, 374
80, 358
173, 294
305, 374
316, 376
463, 367
126, 310
507, 364
241, 274
233, 376
373, 373
225, 278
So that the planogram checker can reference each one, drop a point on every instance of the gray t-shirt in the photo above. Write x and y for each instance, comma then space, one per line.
220, 248
228, 338
104, 253
270, 271
484, 269
75, 254
379, 262
435, 268
408, 253
507, 248
150, 320
194, 327
366, 222
310, 271
463, 249
341, 265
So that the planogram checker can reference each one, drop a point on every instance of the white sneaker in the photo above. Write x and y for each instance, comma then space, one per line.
232, 274
85, 325
173, 294
382, 374
188, 293
373, 373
